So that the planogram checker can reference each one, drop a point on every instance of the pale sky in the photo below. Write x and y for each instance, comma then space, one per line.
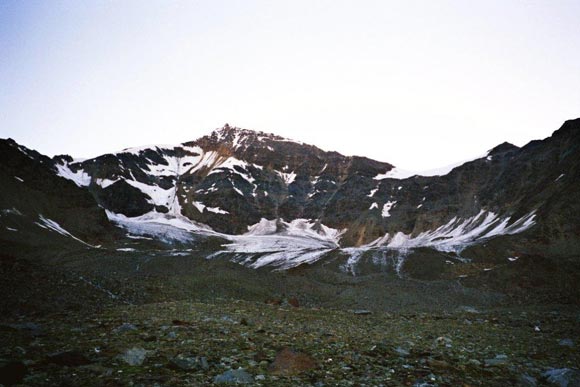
419, 84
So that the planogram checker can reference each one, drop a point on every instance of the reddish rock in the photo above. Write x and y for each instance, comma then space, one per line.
294, 302
274, 301
289, 362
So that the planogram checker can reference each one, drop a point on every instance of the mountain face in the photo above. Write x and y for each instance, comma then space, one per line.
271, 201
35, 202
233, 178
223, 215
230, 180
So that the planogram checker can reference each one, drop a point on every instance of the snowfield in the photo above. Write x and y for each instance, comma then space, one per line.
283, 245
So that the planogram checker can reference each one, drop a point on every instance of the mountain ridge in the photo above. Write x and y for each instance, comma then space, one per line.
233, 178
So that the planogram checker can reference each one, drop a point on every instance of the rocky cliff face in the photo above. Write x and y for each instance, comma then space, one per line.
36, 203
234, 177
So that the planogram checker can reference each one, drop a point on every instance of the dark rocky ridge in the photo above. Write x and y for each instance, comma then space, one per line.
31, 189
267, 176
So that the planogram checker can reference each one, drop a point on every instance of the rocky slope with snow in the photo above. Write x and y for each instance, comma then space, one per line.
36, 204
233, 178
277, 202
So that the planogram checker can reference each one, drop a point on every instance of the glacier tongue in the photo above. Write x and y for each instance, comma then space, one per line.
267, 243
284, 245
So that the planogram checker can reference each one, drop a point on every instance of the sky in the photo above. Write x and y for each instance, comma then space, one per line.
419, 84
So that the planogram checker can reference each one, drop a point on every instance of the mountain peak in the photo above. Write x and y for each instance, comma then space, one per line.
502, 148
232, 131
237, 137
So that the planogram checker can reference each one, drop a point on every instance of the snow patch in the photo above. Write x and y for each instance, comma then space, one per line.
12, 211
238, 191
138, 237
216, 210
104, 183
234, 165
157, 195
140, 149
80, 177
387, 208
177, 221
400, 174
287, 177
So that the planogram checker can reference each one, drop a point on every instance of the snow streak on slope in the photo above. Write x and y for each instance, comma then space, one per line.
53, 226
180, 222
457, 234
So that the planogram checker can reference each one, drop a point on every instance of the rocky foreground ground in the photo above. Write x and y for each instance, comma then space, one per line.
280, 343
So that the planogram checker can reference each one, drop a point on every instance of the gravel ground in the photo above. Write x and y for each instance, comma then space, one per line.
235, 342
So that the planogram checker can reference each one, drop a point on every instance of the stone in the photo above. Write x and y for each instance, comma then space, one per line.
239, 376
12, 372
498, 361
125, 327
563, 377
362, 312
401, 352
469, 309
526, 380
134, 356
442, 341
293, 301
566, 343
289, 362
274, 301
188, 363
441, 364
422, 383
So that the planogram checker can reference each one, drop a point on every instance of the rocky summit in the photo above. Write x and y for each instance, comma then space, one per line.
247, 258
